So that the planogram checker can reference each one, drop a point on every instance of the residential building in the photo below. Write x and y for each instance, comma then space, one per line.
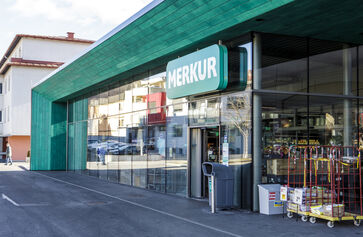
28, 59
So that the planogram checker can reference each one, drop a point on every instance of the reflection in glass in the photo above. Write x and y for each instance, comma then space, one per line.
113, 101
156, 157
328, 121
236, 131
92, 146
204, 112
176, 149
332, 68
284, 63
139, 151
284, 123
93, 105
113, 144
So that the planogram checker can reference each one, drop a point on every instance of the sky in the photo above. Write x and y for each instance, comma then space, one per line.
89, 19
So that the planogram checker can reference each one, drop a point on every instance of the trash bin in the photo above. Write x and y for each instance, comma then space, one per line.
224, 184
270, 202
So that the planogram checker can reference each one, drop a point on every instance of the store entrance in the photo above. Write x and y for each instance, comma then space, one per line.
204, 146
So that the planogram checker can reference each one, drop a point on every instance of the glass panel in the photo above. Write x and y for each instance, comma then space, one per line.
236, 135
332, 71
332, 121
93, 106
284, 123
156, 157
125, 151
157, 92
284, 63
360, 122
360, 70
139, 94
204, 112
139, 151
92, 147
113, 101
113, 145
104, 130
125, 105
176, 150
103, 107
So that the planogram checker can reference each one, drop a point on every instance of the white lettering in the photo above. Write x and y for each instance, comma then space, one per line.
193, 73
178, 76
185, 74
171, 79
212, 67
200, 74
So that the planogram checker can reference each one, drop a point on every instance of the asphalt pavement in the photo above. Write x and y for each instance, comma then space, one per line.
69, 204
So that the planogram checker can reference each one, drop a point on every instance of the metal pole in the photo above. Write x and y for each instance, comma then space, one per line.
347, 90
257, 132
213, 195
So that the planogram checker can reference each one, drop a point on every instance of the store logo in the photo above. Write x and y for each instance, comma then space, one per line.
196, 73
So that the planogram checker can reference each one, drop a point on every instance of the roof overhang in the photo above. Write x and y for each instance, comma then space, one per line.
165, 30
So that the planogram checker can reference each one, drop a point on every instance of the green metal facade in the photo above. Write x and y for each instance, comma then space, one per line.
171, 29
49, 121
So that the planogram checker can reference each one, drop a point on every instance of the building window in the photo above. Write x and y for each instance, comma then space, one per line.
1, 116
1, 88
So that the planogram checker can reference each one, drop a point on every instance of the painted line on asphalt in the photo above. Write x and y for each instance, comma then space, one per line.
9, 199
143, 206
23, 205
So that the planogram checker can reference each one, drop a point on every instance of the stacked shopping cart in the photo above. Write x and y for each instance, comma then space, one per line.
324, 182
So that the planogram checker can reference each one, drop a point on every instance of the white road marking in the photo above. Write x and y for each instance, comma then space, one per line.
23, 205
9, 199
143, 206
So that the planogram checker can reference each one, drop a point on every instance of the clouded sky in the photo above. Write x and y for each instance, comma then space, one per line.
89, 19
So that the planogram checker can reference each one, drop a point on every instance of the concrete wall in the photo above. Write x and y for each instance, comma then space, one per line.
51, 50
17, 101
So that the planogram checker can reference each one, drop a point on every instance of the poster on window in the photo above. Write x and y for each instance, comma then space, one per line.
225, 153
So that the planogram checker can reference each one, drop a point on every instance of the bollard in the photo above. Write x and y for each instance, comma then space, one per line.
213, 206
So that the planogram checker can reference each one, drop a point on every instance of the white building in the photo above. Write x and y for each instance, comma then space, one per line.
28, 59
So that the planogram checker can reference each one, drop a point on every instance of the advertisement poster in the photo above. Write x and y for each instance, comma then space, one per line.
225, 153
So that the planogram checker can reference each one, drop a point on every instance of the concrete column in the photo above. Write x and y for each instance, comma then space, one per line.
347, 90
257, 131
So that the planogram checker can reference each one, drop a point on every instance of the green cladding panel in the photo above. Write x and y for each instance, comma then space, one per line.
48, 134
170, 29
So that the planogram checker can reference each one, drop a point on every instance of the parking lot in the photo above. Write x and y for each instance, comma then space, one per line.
68, 204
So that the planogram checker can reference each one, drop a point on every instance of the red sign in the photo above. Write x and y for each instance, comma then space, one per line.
271, 196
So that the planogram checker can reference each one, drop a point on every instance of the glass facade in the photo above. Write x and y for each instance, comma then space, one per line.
309, 97
133, 134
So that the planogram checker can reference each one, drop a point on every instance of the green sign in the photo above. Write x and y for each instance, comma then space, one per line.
199, 72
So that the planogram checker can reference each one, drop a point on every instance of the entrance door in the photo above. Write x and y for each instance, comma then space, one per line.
204, 146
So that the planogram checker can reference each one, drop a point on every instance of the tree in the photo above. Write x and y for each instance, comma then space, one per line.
238, 112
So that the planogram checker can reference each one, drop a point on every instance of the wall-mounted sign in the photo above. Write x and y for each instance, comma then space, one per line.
199, 72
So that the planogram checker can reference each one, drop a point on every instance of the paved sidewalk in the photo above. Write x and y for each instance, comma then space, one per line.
68, 204
16, 166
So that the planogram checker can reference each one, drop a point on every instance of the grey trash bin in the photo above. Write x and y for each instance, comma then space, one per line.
223, 183
270, 203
